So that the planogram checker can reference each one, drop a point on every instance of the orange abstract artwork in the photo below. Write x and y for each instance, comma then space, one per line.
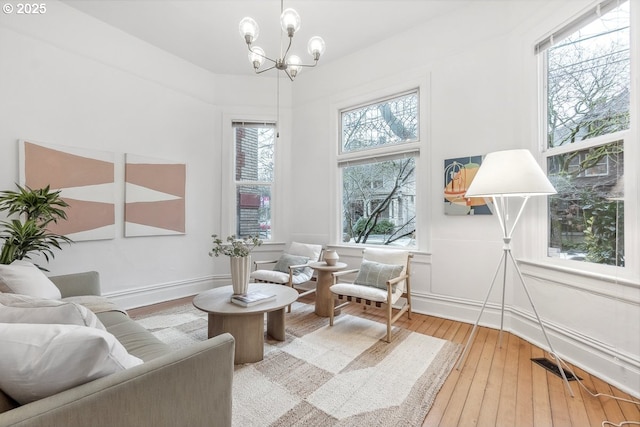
458, 175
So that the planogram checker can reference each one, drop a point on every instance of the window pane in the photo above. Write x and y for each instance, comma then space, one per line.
254, 211
379, 200
392, 121
254, 174
586, 217
254, 153
588, 81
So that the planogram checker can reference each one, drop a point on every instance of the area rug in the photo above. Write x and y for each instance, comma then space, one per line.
326, 376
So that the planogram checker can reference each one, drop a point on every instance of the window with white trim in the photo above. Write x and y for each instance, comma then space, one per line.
254, 146
587, 85
379, 143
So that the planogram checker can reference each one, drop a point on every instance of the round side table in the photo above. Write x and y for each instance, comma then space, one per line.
325, 281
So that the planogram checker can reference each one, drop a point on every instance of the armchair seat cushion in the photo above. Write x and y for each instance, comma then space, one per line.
273, 276
365, 292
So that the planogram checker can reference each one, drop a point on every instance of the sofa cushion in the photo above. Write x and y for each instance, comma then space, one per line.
6, 403
22, 277
39, 360
136, 339
17, 308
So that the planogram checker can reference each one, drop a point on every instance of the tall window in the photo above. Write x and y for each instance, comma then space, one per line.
378, 145
254, 176
587, 71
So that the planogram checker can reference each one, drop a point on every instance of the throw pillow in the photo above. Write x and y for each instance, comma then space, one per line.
287, 260
22, 277
16, 308
37, 361
377, 274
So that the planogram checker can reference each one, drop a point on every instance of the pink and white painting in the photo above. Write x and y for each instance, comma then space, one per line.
86, 180
154, 196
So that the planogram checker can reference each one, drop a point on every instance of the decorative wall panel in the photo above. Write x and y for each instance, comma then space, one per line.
154, 196
86, 180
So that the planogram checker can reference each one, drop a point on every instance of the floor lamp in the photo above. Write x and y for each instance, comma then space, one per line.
504, 175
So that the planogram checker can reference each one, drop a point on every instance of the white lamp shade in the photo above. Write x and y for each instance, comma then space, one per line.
510, 173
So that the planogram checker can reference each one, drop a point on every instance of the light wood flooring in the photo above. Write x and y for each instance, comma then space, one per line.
500, 386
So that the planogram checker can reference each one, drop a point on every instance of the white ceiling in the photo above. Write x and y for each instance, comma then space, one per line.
205, 32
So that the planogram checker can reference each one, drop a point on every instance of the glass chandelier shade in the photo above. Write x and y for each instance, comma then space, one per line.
292, 64
256, 57
249, 29
315, 47
290, 21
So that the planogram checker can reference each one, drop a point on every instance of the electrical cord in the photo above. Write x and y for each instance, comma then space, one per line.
624, 423
621, 399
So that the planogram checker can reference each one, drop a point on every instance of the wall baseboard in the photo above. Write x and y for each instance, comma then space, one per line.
599, 359
153, 294
606, 363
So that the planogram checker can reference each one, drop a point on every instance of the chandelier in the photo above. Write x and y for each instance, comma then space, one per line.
290, 64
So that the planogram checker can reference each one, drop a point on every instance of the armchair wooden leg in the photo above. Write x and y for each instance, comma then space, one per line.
331, 310
389, 313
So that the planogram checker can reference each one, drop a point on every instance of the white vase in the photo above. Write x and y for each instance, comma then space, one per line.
331, 257
240, 271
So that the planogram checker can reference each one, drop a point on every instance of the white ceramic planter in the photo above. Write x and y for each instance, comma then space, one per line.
240, 271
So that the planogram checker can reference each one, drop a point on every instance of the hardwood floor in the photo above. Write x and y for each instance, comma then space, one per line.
500, 386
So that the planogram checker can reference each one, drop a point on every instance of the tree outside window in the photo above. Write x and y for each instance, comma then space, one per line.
588, 99
379, 190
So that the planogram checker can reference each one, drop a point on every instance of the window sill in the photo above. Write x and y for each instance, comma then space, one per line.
609, 286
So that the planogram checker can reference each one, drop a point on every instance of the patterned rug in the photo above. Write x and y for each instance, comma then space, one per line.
326, 376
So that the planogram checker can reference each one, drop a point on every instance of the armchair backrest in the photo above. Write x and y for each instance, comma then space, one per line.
389, 256
305, 249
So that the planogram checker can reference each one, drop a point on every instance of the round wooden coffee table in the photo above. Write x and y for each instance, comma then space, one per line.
246, 324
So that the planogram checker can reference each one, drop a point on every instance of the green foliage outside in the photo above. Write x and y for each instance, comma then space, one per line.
604, 234
383, 226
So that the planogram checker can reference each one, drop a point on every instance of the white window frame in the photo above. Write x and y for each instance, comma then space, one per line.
228, 202
631, 270
363, 96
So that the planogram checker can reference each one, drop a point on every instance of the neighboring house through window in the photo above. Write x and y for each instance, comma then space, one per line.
254, 146
587, 84
379, 143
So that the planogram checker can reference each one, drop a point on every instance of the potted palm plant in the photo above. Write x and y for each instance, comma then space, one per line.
26, 233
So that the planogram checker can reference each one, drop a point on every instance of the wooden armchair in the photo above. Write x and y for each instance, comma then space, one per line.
291, 268
383, 278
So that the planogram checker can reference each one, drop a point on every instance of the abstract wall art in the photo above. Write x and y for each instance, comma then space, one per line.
86, 182
154, 196
458, 175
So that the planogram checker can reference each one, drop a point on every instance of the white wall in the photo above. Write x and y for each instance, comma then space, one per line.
480, 74
68, 79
